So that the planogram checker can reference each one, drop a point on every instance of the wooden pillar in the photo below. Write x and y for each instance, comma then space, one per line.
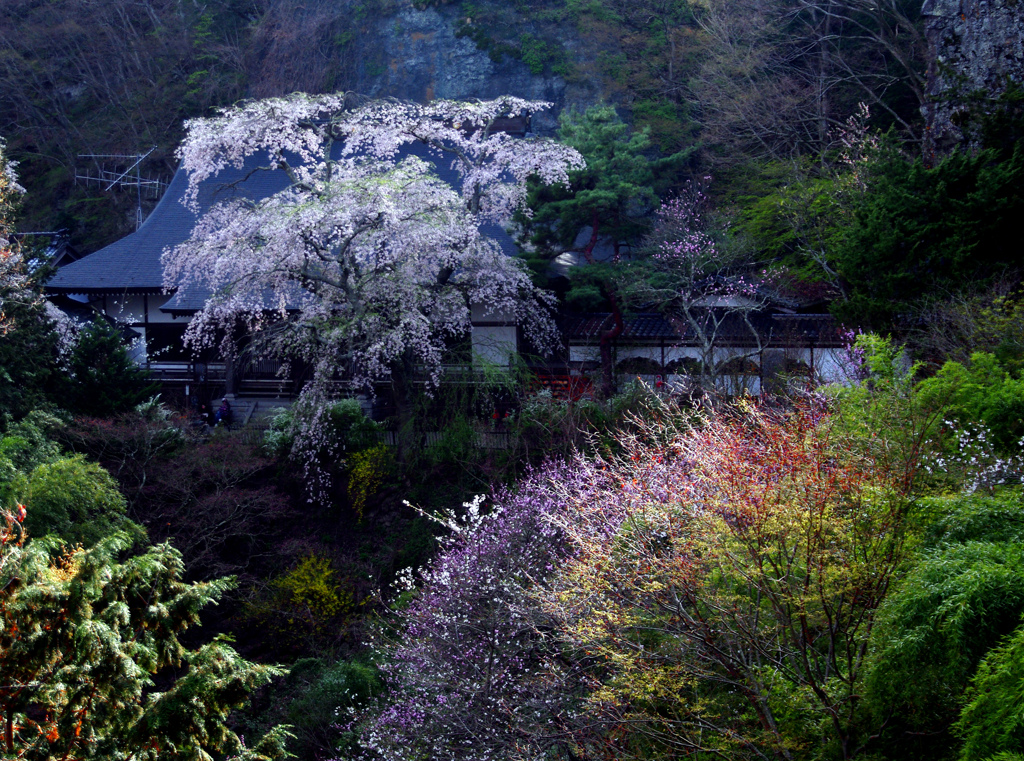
229, 375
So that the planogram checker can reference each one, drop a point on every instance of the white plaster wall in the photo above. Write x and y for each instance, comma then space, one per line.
737, 385
829, 363
654, 353
494, 345
593, 353
830, 366
726, 384
724, 354
127, 309
137, 349
155, 315
584, 354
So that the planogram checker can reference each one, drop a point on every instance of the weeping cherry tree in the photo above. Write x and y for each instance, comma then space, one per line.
372, 256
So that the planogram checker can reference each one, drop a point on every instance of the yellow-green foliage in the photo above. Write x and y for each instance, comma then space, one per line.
366, 474
311, 587
1002, 325
747, 533
983, 392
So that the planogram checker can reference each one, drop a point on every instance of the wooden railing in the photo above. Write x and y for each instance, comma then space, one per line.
187, 372
563, 386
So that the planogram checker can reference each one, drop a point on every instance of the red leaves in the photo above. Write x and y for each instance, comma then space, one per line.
708, 539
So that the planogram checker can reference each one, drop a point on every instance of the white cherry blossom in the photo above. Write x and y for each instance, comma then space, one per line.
369, 258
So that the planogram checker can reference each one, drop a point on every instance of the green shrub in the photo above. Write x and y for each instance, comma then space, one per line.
346, 428
921, 229
978, 518
993, 720
29, 349
326, 692
280, 434
547, 426
881, 416
982, 392
25, 445
104, 378
962, 597
75, 500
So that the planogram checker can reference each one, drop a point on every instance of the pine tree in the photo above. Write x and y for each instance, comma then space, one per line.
614, 195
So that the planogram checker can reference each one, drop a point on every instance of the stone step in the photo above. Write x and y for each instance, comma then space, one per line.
256, 411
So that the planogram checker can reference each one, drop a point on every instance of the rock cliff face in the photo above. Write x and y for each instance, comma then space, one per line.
417, 55
977, 50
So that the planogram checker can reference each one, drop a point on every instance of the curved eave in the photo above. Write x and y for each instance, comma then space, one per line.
184, 311
105, 291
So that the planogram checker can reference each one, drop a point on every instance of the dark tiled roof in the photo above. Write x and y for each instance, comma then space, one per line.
132, 264
60, 253
775, 329
193, 299
584, 327
187, 301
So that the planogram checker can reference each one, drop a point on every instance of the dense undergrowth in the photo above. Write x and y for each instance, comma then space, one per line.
834, 572
894, 620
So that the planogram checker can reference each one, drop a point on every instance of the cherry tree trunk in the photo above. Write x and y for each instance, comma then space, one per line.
402, 374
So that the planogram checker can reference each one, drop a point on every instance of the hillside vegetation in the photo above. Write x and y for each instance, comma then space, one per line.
766, 82
534, 560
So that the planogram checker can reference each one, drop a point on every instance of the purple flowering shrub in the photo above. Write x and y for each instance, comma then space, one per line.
609, 607
474, 672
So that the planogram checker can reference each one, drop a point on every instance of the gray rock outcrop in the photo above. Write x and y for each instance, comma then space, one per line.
391, 48
420, 57
977, 50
